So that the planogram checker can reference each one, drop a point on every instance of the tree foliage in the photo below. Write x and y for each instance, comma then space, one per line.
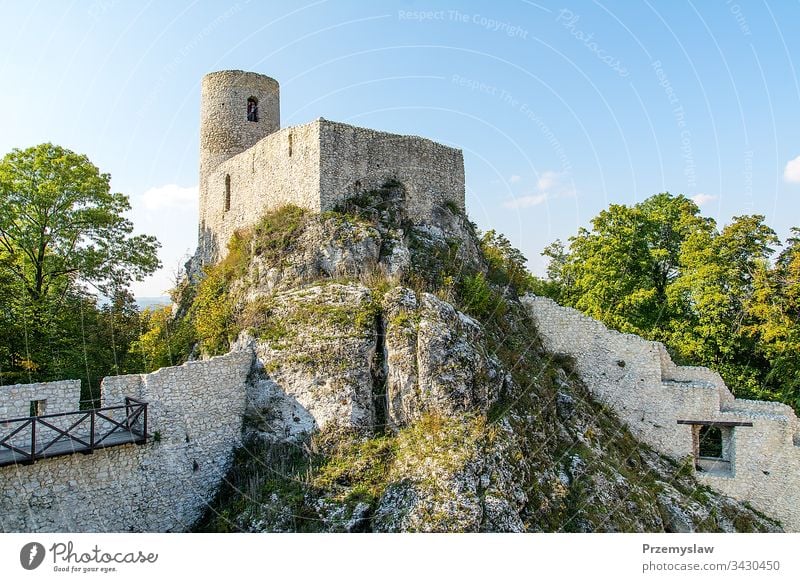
63, 233
60, 223
661, 270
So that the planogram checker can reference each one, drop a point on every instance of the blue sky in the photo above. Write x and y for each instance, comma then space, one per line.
560, 107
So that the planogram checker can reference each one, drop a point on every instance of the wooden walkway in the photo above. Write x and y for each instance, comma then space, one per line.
27, 440
70, 447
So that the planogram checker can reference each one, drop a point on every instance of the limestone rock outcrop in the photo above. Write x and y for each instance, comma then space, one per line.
377, 402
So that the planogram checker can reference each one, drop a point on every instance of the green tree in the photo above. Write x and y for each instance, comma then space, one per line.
718, 279
775, 306
60, 223
62, 230
506, 263
621, 271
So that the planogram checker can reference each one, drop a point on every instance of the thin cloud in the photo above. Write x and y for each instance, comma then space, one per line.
550, 180
170, 196
525, 201
550, 185
792, 171
703, 199
515, 179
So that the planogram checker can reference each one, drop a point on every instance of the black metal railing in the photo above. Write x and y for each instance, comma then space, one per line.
25, 440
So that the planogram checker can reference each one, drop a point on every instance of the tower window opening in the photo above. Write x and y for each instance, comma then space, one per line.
227, 192
252, 109
290, 145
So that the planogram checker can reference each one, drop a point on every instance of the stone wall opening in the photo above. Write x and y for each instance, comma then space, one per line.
710, 442
38, 407
227, 192
712, 448
252, 109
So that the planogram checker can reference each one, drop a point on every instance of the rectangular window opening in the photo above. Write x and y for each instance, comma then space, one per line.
227, 192
710, 442
37, 407
712, 448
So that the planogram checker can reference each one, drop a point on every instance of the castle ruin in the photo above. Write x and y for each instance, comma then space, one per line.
249, 165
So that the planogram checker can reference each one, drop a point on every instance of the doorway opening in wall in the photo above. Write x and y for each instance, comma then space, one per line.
712, 449
713, 445
37, 407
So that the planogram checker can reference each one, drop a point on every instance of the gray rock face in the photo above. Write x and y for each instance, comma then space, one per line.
388, 409
436, 358
314, 350
327, 247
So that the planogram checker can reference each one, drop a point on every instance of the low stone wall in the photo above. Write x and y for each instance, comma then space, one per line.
62, 396
195, 415
639, 381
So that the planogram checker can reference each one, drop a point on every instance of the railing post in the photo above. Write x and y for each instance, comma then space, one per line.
91, 430
33, 439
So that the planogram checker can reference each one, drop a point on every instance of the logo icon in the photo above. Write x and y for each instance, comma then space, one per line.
31, 555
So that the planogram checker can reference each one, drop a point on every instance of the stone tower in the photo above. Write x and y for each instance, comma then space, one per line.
249, 165
237, 109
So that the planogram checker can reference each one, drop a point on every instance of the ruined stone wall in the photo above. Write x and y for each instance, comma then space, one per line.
639, 381
58, 397
318, 165
282, 168
62, 396
195, 415
355, 158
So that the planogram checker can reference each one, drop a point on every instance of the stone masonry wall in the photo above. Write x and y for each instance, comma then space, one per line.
263, 178
63, 396
316, 166
639, 381
355, 158
194, 416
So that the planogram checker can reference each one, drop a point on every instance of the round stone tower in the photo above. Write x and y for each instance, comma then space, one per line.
237, 109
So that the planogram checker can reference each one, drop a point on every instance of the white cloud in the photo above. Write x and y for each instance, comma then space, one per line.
792, 171
525, 201
550, 185
703, 199
170, 196
515, 179
549, 180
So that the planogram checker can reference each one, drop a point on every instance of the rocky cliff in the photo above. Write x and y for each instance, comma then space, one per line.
400, 385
